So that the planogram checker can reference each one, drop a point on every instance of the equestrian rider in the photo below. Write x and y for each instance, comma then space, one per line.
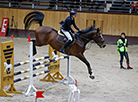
66, 29
122, 45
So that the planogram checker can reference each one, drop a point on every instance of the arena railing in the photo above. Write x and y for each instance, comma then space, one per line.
79, 5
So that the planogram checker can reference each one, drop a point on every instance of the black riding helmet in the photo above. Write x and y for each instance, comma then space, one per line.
73, 13
123, 34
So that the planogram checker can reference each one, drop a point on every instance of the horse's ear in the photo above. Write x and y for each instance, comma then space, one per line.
98, 30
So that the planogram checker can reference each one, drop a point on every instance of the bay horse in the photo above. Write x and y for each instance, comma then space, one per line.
46, 35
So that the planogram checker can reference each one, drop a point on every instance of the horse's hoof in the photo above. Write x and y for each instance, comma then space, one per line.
92, 77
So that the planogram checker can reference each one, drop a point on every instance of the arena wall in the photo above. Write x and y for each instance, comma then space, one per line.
111, 24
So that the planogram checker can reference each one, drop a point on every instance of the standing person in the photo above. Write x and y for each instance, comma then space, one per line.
122, 45
134, 8
67, 30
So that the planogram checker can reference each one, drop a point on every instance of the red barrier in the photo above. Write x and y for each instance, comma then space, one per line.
4, 26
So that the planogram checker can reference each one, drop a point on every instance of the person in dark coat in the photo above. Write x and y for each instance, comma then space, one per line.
67, 30
122, 45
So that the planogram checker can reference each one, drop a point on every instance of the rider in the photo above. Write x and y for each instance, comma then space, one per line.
66, 28
122, 45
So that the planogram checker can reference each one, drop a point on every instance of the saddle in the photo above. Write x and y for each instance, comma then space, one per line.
62, 38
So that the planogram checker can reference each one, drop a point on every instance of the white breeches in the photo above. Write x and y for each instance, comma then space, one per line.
67, 34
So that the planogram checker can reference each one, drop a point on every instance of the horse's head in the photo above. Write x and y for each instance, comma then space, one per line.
93, 34
98, 38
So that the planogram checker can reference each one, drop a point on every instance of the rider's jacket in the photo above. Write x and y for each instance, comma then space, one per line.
67, 24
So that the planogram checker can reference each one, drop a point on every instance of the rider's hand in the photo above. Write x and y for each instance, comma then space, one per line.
76, 33
124, 44
79, 31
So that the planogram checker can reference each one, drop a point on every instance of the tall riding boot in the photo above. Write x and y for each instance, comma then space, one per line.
67, 43
128, 67
121, 66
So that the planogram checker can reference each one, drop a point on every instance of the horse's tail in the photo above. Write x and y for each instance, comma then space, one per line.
33, 17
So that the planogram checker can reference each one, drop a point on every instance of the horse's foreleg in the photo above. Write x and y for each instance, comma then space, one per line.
55, 52
83, 59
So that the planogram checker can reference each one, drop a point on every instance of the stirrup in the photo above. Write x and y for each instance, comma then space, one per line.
62, 50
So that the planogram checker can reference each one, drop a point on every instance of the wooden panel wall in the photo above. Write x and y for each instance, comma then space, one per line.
113, 24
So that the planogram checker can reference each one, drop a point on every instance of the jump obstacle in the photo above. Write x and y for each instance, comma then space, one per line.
7, 70
34, 60
7, 52
74, 94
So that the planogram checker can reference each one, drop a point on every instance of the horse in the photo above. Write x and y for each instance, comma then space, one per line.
45, 35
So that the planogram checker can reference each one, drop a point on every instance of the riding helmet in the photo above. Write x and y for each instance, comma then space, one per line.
73, 12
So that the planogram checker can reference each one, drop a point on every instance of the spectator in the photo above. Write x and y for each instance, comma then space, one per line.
70, 4
16, 3
91, 5
134, 7
124, 2
52, 4
66, 4
74, 4
94, 5
98, 4
84, 3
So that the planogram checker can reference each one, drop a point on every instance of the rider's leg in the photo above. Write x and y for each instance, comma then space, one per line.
127, 60
67, 43
121, 60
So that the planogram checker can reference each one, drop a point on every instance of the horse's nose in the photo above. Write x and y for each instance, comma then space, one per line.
104, 46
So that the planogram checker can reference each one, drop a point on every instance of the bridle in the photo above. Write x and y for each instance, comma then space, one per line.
94, 35
100, 44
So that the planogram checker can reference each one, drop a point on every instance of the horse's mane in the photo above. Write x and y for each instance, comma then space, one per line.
54, 30
87, 30
83, 32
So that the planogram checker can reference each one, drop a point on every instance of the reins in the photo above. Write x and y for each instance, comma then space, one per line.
84, 38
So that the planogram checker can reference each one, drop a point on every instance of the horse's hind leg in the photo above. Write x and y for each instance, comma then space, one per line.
83, 59
34, 48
